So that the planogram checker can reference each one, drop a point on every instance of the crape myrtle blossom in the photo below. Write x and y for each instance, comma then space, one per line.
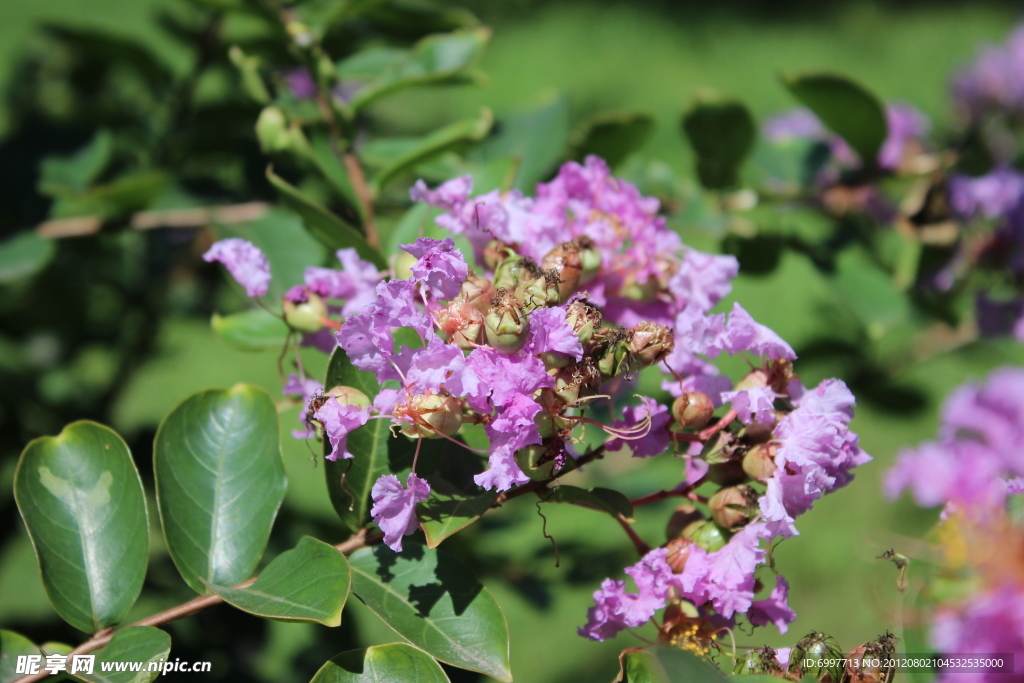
246, 263
995, 81
394, 507
972, 469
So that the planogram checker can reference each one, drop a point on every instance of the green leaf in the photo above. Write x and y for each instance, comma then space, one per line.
219, 483
847, 108
12, 646
415, 151
666, 665
134, 644
448, 510
326, 162
538, 138
252, 330
117, 199
418, 221
81, 498
61, 175
433, 59
613, 136
435, 603
722, 133
248, 69
324, 225
309, 583
24, 255
381, 663
608, 500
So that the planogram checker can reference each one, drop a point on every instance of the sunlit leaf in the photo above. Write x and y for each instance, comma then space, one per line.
448, 510
135, 644
380, 664
252, 330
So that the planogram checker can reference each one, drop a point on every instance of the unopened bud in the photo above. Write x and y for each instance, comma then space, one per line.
550, 420
727, 473
651, 343
613, 354
348, 396
577, 381
272, 130
506, 324
759, 462
584, 319
780, 374
540, 291
678, 551
763, 661
565, 261
494, 253
403, 263
822, 654
707, 535
684, 516
462, 324
477, 291
693, 410
734, 506
305, 316
511, 272
429, 416
540, 461
754, 379
590, 259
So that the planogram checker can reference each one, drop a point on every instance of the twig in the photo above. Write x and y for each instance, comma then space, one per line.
355, 172
189, 608
641, 546
166, 218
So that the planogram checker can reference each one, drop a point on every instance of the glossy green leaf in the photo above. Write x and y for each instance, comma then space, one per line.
666, 665
613, 136
433, 59
537, 138
331, 230
12, 646
73, 173
219, 483
448, 510
847, 108
252, 330
24, 255
608, 500
377, 452
381, 664
145, 644
415, 151
81, 498
435, 603
308, 583
722, 133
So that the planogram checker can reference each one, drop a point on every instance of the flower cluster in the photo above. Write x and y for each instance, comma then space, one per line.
994, 82
563, 298
973, 469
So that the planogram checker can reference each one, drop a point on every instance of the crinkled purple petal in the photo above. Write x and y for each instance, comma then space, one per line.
246, 263
394, 507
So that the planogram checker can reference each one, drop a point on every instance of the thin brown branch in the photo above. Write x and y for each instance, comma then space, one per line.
355, 173
189, 608
165, 218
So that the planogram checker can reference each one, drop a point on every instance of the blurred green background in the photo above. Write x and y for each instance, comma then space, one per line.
647, 56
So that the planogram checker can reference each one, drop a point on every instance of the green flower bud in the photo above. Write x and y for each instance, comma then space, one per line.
733, 506
509, 272
759, 461
813, 647
272, 131
693, 410
477, 292
707, 535
565, 261
584, 318
613, 352
507, 324
590, 259
753, 380
539, 292
305, 316
495, 252
550, 420
462, 324
540, 461
430, 415
651, 343
577, 381
349, 396
678, 552
401, 265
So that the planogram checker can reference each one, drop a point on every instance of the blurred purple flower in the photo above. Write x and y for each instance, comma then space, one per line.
246, 263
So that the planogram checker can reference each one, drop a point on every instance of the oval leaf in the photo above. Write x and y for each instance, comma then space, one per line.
12, 646
219, 483
309, 583
536, 138
666, 665
448, 510
253, 330
133, 645
24, 255
613, 136
435, 603
394, 662
722, 134
82, 501
331, 230
847, 108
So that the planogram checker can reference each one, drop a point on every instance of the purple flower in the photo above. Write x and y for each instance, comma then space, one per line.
367, 337
244, 261
394, 507
703, 279
441, 269
742, 333
449, 195
656, 441
355, 283
774, 609
992, 196
441, 367
338, 422
994, 81
753, 405
990, 622
608, 616
907, 125
550, 332
615, 609
300, 83
306, 389
729, 581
